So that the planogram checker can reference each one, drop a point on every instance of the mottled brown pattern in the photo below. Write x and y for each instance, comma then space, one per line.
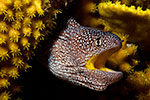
75, 45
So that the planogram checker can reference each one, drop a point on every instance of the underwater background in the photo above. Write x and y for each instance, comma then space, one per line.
28, 29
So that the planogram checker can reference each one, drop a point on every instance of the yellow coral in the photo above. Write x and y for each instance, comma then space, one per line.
7, 2
3, 38
37, 35
26, 66
125, 67
17, 4
13, 72
120, 55
145, 95
26, 2
26, 31
147, 73
25, 43
131, 20
37, 4
56, 11
3, 54
19, 15
5, 96
16, 25
131, 48
27, 21
14, 49
3, 27
138, 80
51, 23
2, 8
39, 25
14, 35
22, 26
119, 58
90, 7
9, 16
18, 62
35, 43
31, 11
3, 73
4, 83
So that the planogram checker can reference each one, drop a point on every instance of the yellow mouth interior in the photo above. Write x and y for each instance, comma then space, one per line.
98, 62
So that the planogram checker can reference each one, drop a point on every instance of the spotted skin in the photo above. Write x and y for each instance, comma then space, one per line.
75, 45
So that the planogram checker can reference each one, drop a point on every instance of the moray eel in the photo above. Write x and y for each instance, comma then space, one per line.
78, 48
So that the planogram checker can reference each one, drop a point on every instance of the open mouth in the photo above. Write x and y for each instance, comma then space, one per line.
99, 61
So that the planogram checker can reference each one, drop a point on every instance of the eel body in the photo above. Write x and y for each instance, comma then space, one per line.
72, 50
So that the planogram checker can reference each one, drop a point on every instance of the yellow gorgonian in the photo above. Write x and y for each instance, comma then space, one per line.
131, 20
22, 26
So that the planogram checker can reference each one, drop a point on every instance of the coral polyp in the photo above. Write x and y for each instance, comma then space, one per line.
5, 95
4, 83
9, 16
14, 49
3, 54
21, 29
3, 27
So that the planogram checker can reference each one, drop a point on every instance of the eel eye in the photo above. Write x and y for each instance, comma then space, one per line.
98, 42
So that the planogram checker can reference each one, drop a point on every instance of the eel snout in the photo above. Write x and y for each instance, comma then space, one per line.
105, 76
114, 39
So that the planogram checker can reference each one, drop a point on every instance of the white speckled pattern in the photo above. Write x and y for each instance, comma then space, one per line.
74, 47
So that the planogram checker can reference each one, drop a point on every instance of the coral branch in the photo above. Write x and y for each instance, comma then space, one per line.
124, 19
